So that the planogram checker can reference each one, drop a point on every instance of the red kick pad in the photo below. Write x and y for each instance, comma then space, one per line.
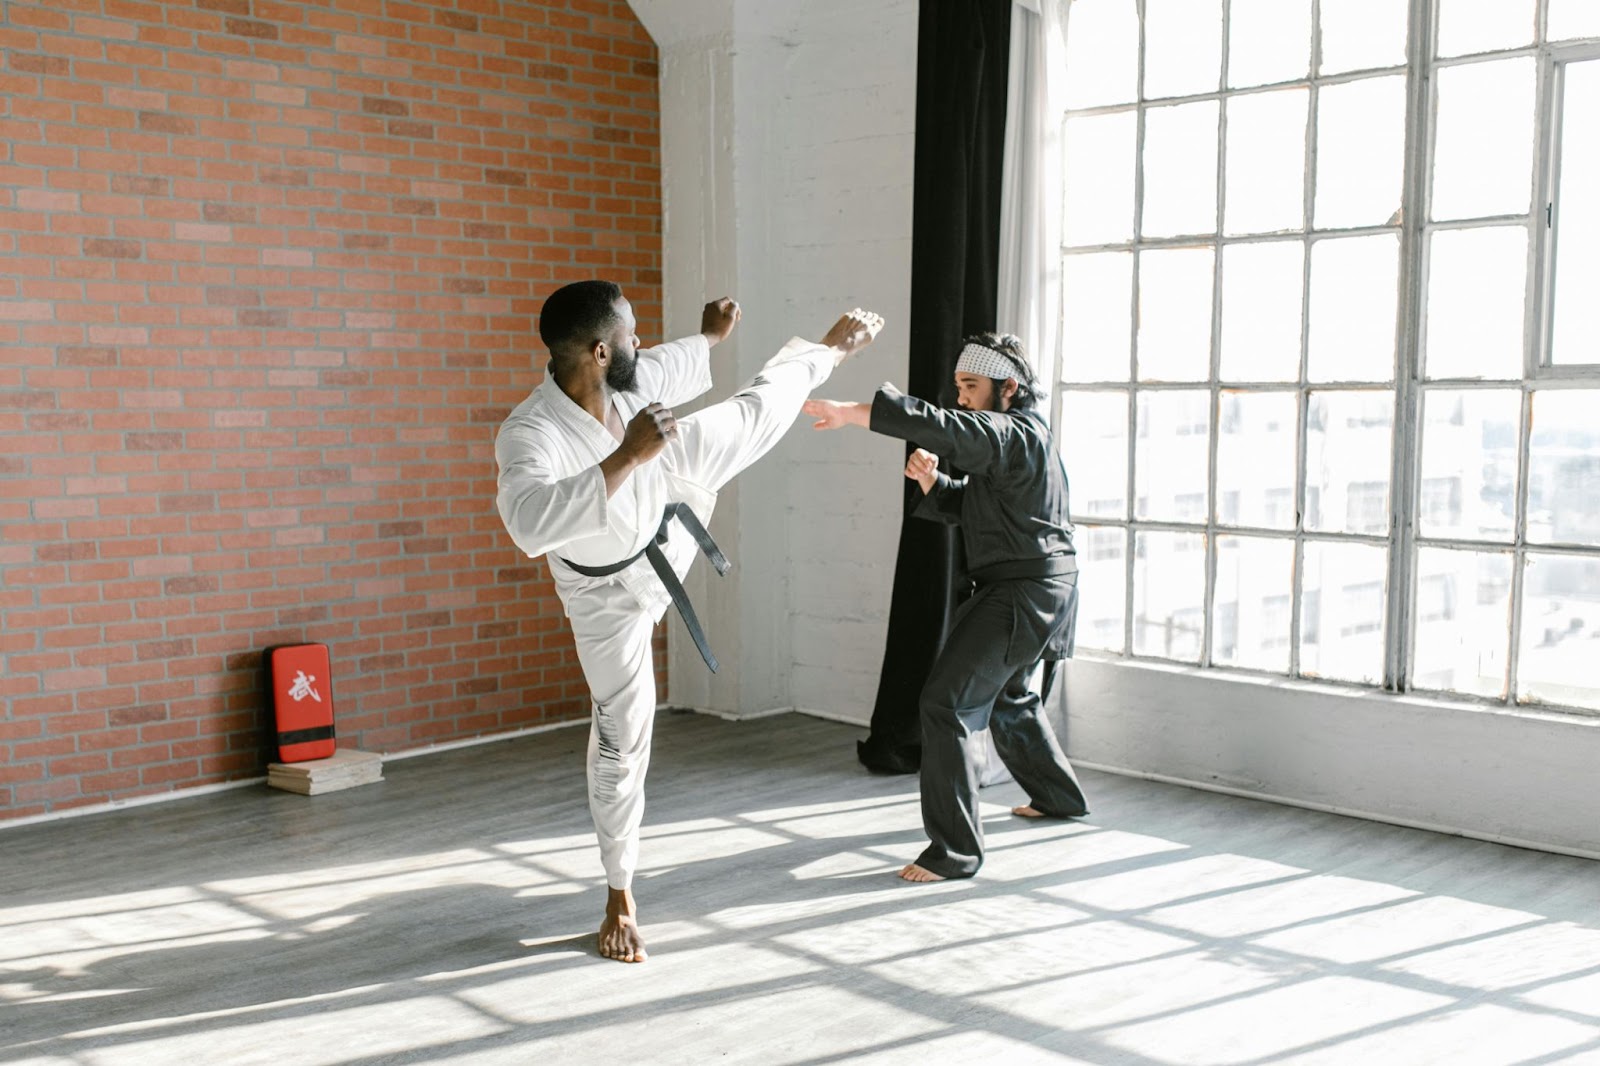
302, 702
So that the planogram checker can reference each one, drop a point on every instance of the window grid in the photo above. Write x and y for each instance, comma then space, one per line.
1537, 376
1408, 382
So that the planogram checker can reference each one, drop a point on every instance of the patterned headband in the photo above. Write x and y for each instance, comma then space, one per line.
986, 362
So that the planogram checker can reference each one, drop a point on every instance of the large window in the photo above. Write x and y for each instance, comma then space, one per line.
1331, 338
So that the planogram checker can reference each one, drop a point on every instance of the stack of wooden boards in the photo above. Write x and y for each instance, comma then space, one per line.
345, 768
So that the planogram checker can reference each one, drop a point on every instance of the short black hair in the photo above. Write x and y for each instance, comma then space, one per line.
1010, 345
577, 315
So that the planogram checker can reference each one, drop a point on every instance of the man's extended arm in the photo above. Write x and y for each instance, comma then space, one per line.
974, 441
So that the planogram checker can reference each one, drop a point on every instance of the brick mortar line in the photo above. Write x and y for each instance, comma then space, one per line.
291, 288
314, 249
525, 242
500, 642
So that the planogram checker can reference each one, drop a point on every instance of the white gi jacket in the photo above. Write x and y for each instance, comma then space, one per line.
552, 495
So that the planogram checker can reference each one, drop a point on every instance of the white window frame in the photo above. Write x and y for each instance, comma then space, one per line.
1408, 384
1553, 60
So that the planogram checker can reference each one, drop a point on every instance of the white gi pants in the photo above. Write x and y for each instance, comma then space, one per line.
613, 631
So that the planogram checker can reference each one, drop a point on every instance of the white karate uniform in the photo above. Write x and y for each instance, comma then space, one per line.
552, 498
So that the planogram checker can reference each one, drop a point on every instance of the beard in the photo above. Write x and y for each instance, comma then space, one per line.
997, 402
623, 373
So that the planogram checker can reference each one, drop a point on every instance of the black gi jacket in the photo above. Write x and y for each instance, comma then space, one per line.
1012, 507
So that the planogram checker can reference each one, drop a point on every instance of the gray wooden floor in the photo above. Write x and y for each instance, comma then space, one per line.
446, 916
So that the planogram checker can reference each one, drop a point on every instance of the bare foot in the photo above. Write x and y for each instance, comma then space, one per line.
1027, 812
852, 333
913, 872
619, 934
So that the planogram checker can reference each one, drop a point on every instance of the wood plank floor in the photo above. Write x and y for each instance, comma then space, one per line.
446, 915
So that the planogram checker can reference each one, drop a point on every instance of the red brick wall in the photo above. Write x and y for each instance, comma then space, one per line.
269, 275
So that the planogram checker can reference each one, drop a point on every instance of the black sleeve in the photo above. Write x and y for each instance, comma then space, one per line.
943, 503
980, 442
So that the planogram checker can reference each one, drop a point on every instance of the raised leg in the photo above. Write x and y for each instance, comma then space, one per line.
715, 444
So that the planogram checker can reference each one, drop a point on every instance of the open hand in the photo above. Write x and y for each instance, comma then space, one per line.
923, 468
719, 318
829, 414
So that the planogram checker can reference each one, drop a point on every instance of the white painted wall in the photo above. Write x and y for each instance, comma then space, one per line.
787, 134
1520, 777
787, 142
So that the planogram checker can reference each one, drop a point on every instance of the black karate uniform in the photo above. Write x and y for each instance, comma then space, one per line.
1012, 512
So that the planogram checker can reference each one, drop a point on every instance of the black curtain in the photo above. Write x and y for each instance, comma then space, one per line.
963, 49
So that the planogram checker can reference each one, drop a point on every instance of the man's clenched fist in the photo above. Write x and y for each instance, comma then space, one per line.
648, 432
923, 468
719, 318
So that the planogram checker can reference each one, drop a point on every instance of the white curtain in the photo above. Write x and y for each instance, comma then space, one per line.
1029, 302
1030, 201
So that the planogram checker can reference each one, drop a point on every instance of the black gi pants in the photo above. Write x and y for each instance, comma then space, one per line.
982, 679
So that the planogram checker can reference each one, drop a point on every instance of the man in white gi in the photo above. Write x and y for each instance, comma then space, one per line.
597, 473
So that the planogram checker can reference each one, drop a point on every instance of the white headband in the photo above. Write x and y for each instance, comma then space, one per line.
987, 363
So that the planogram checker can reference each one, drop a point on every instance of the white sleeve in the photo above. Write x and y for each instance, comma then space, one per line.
540, 511
675, 372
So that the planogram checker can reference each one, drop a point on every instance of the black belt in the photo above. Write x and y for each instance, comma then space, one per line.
304, 736
663, 569
1015, 569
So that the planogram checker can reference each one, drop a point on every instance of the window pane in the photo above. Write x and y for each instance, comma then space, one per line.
1102, 53
1469, 464
1483, 150
1564, 468
1098, 171
1102, 587
1362, 35
1251, 606
1361, 139
1180, 170
1256, 459
1476, 294
1094, 447
1342, 611
1463, 621
1169, 589
1175, 314
1171, 455
1261, 286
1348, 441
1097, 316
1266, 162
1576, 328
1569, 19
1354, 285
1560, 630
1182, 47
1470, 26
1268, 41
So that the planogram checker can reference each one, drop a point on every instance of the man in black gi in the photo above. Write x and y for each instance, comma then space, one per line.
1012, 511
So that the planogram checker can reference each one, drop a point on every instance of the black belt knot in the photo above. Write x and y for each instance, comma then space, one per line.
663, 569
